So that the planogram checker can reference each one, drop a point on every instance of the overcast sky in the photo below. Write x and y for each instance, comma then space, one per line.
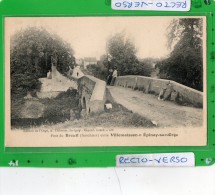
88, 35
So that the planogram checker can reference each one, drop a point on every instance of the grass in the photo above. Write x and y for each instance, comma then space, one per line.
118, 117
57, 115
110, 120
56, 110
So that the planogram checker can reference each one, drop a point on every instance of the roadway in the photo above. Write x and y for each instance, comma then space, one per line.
163, 113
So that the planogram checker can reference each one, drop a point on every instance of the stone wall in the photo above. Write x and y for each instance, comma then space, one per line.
92, 93
154, 86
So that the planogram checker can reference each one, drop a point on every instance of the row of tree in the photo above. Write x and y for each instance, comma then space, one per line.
32, 49
185, 62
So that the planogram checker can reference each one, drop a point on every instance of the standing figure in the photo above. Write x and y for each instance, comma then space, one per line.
110, 76
114, 76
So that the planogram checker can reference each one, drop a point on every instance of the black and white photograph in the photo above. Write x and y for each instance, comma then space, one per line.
105, 81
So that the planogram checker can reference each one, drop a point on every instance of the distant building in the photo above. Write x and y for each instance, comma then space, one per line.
89, 61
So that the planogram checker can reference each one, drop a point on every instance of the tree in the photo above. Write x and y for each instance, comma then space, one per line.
122, 54
185, 63
97, 71
30, 58
104, 61
189, 27
146, 66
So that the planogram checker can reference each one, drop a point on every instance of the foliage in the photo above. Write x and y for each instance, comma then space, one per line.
60, 106
104, 61
30, 59
116, 117
122, 54
137, 120
146, 66
185, 63
56, 109
97, 71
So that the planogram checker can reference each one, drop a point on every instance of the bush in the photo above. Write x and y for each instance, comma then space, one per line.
98, 71
30, 58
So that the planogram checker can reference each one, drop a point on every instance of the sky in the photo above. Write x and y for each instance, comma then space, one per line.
88, 35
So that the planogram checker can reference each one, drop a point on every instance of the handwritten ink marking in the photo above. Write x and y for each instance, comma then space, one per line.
144, 160
158, 160
134, 160
167, 4
127, 4
144, 3
174, 5
184, 4
137, 4
118, 4
159, 4
184, 160
175, 159
165, 159
169, 159
121, 159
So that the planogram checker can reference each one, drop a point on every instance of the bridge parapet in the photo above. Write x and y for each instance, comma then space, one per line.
182, 93
92, 92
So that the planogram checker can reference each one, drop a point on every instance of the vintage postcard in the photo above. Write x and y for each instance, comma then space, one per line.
105, 81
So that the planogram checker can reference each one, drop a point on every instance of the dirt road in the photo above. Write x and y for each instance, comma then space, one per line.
164, 113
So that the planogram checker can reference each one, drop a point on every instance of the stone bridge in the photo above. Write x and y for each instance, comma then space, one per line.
179, 92
92, 93
140, 95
